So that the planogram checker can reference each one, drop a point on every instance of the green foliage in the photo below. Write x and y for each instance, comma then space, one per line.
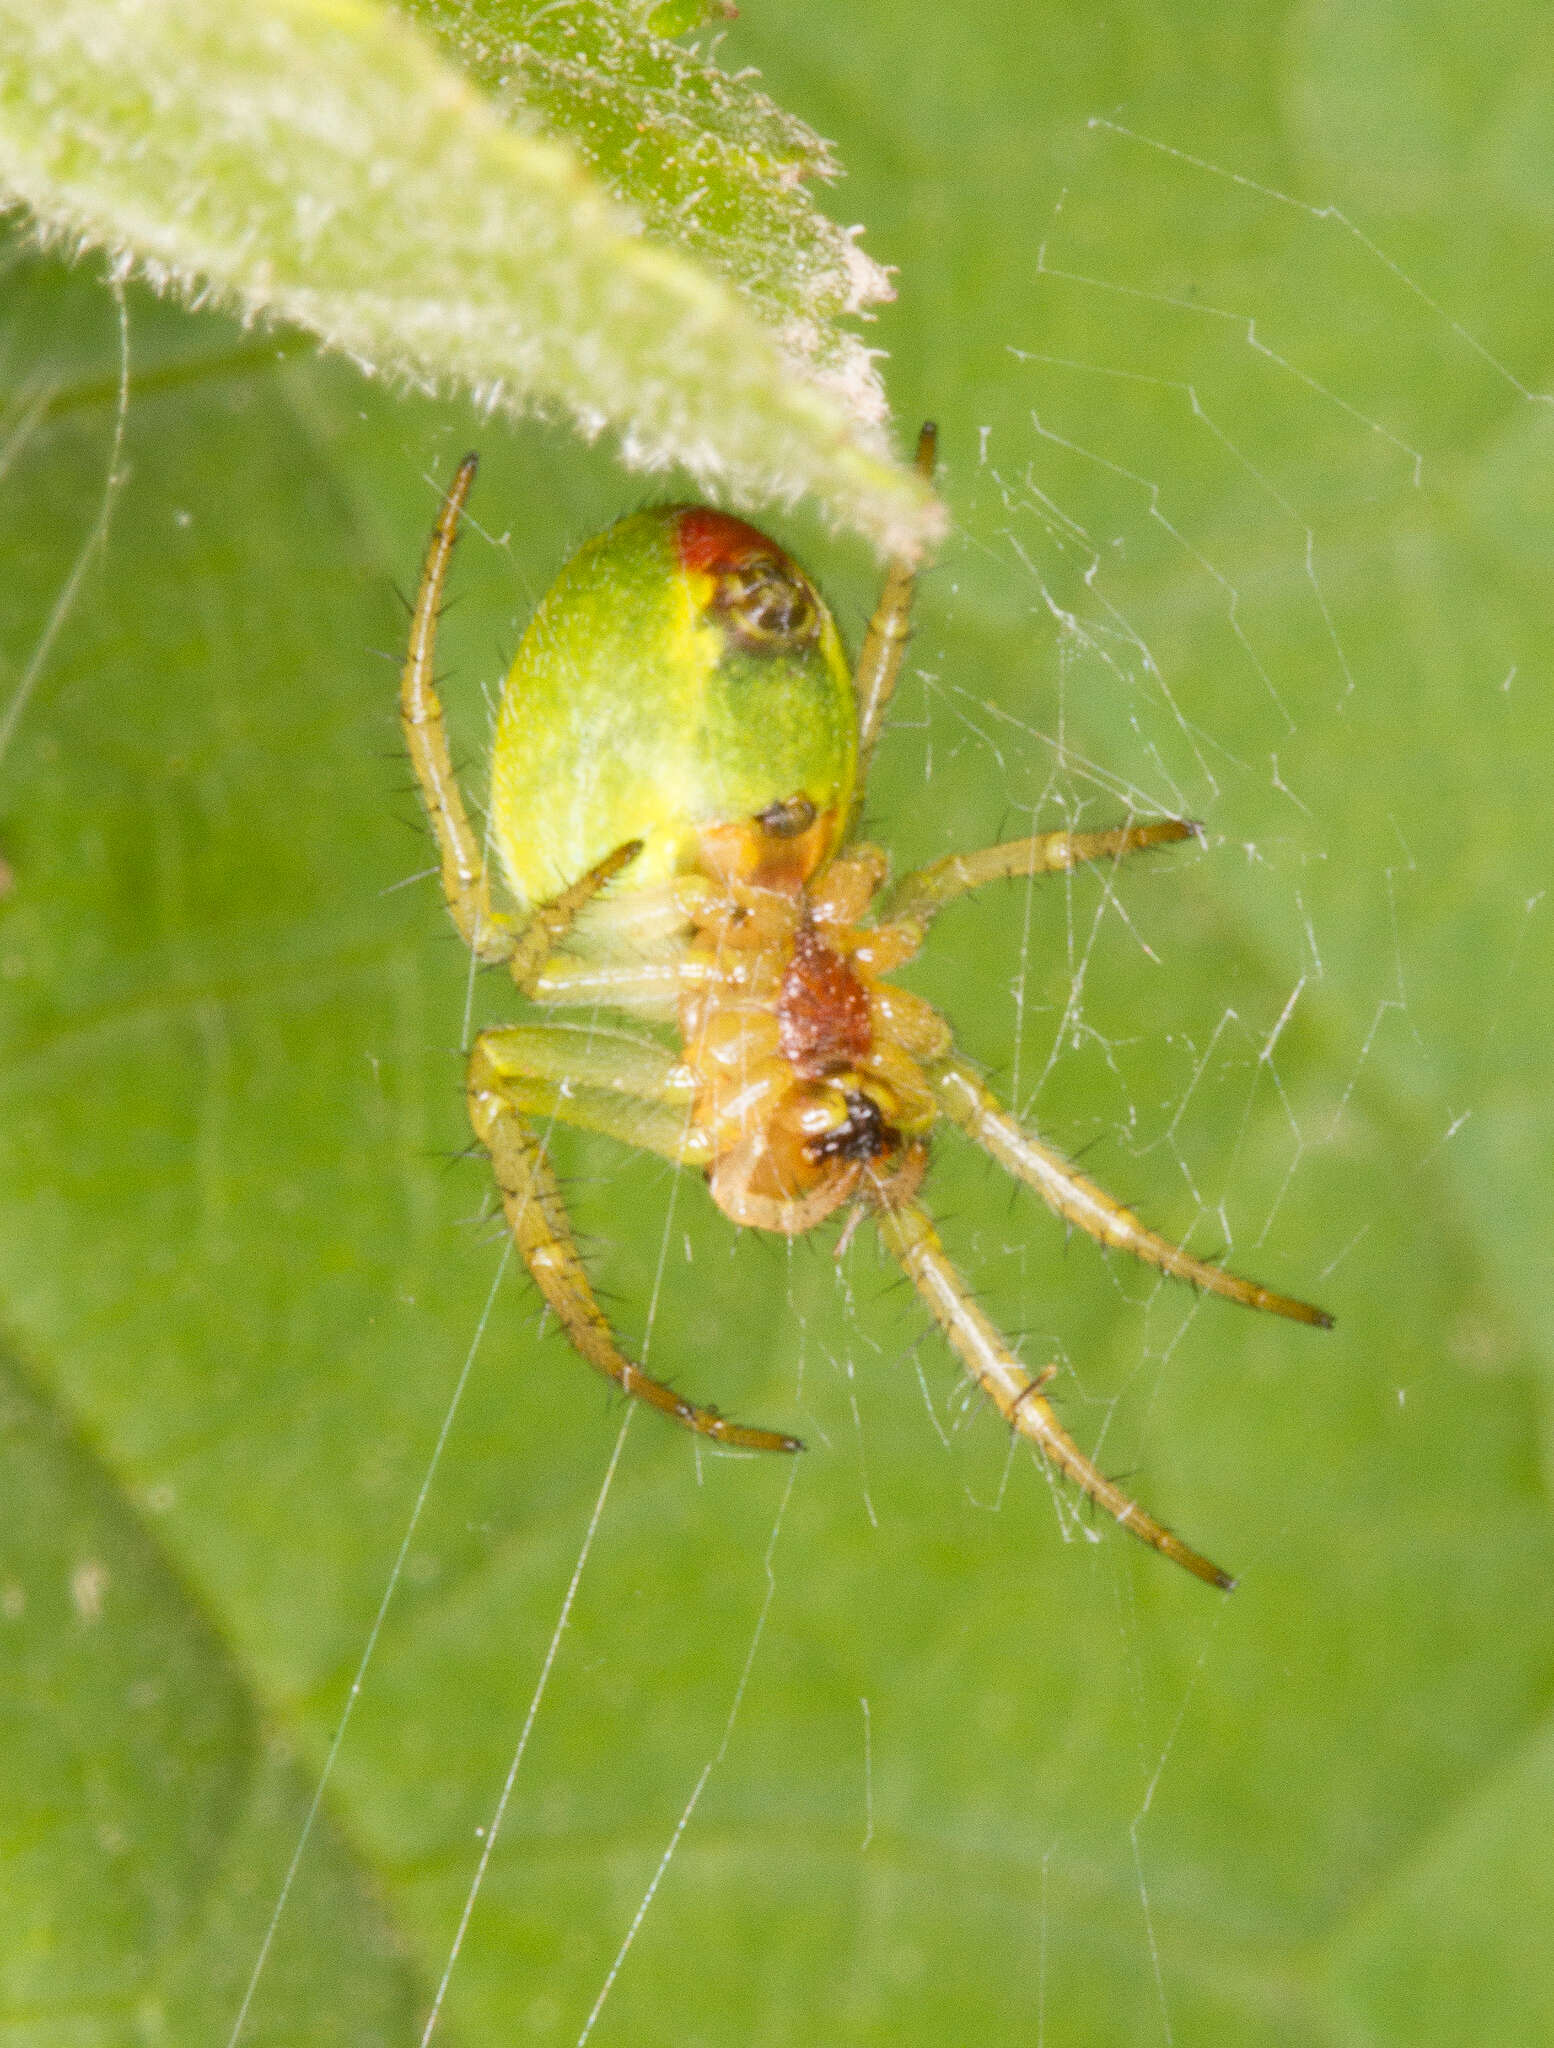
315, 162
983, 1784
704, 160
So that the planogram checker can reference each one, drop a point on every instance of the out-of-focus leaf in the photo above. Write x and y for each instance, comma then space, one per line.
149, 1814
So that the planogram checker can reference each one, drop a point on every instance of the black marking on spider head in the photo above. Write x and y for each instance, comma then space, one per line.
863, 1136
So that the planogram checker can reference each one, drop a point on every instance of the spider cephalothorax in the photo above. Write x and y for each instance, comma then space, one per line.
680, 759
805, 1062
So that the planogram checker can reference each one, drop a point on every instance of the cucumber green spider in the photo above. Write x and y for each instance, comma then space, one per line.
681, 755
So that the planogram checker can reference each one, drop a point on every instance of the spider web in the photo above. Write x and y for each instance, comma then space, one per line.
1213, 1128
1162, 675
1117, 738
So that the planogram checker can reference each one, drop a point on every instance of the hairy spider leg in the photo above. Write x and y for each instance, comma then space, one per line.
598, 1079
910, 1238
968, 1103
971, 1106
523, 947
917, 898
884, 642
511, 1071
531, 1195
489, 934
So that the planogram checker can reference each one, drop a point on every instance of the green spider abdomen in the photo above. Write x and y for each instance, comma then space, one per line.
682, 679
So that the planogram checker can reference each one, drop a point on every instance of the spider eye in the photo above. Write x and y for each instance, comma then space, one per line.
767, 605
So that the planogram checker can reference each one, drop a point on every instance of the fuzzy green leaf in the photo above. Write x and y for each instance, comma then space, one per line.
314, 162
708, 164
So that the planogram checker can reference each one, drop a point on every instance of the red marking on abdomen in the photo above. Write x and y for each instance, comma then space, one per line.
709, 541
822, 1010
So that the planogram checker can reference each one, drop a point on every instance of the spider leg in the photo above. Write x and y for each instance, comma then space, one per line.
644, 988
968, 1103
918, 897
548, 924
488, 933
911, 1239
517, 1070
884, 643
597, 1079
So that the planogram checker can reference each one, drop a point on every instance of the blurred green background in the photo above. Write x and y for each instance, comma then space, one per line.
1235, 322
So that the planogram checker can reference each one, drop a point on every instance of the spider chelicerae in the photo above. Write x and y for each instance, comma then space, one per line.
681, 755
